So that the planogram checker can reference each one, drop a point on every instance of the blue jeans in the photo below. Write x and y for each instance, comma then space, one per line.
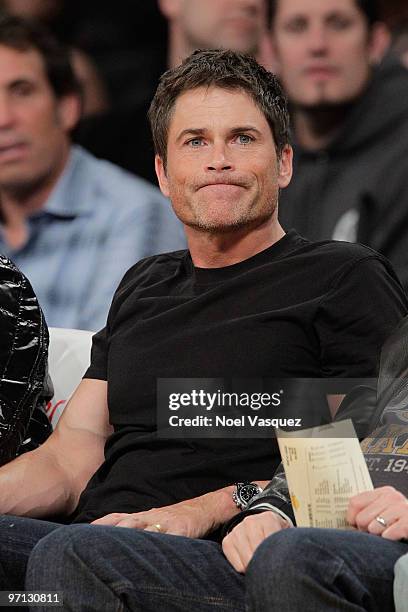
18, 536
112, 568
320, 570
401, 584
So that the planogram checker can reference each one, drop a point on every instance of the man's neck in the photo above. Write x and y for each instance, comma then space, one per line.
21, 203
315, 129
221, 250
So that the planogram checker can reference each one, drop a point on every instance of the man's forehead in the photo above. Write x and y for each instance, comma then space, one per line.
208, 95
206, 6
312, 7
18, 62
212, 102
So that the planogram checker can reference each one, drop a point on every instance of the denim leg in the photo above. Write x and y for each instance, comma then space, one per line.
401, 584
323, 569
113, 568
18, 536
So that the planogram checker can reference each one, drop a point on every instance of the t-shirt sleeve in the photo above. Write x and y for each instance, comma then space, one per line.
100, 341
362, 308
98, 368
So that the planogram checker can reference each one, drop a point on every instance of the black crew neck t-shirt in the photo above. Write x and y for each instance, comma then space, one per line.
296, 309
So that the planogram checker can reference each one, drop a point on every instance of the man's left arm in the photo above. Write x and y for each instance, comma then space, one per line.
193, 518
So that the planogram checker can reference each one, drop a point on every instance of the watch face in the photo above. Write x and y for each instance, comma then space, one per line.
247, 492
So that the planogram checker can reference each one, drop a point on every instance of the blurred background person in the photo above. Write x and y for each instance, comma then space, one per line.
350, 125
72, 223
400, 42
213, 24
95, 97
236, 24
395, 15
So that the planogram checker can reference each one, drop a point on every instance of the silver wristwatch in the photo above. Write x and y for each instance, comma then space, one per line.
244, 492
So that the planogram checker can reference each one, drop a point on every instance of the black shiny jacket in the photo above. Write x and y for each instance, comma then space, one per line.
23, 357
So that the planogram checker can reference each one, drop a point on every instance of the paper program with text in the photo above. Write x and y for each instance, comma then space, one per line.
324, 468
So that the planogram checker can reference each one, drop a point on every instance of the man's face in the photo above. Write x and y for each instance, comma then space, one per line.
222, 169
33, 123
323, 49
222, 24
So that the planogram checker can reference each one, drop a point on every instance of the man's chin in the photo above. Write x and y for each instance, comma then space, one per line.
323, 103
223, 227
20, 185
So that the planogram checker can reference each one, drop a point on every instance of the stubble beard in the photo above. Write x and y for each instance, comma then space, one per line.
323, 103
248, 220
237, 226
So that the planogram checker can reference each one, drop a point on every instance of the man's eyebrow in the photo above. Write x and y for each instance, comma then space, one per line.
200, 131
245, 128
23, 80
294, 17
190, 132
335, 13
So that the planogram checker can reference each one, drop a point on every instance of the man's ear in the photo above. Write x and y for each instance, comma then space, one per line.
69, 111
161, 176
380, 40
285, 167
170, 8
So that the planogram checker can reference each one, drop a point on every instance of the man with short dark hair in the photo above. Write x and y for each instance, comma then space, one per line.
239, 25
72, 223
246, 300
350, 125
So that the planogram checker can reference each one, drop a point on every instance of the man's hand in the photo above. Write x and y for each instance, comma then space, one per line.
383, 512
240, 544
193, 518
185, 518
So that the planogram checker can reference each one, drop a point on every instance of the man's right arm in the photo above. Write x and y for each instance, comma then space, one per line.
49, 480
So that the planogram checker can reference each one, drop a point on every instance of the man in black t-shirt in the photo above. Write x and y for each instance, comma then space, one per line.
247, 300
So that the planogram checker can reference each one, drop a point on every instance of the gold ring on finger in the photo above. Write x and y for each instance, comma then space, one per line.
380, 519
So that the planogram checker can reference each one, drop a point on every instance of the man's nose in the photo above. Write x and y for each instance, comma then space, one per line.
219, 158
318, 40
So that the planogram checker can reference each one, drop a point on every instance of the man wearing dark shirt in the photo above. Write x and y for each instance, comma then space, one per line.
246, 300
350, 125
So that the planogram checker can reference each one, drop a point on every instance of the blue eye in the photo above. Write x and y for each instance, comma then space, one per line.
195, 142
245, 139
